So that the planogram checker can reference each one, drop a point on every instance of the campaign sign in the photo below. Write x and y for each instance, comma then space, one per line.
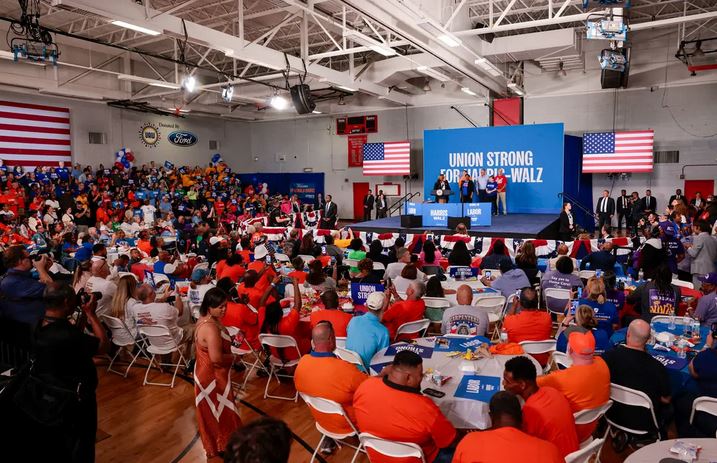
531, 156
452, 344
414, 209
464, 272
360, 291
436, 215
306, 191
423, 351
479, 214
478, 387
378, 367
673, 363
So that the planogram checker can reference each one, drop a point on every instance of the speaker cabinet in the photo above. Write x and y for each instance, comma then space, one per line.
411, 221
454, 221
614, 79
301, 97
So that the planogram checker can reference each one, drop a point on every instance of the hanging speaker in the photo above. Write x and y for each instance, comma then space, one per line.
611, 79
301, 97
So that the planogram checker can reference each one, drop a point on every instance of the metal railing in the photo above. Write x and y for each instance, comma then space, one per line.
396, 207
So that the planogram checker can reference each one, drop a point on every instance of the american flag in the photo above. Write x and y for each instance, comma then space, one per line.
34, 135
392, 158
618, 151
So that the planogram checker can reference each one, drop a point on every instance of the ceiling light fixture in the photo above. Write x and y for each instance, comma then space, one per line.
316, 111
190, 83
440, 33
450, 40
489, 67
278, 102
134, 27
227, 93
468, 91
516, 89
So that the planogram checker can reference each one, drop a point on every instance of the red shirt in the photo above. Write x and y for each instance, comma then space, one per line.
502, 182
287, 327
265, 280
242, 317
403, 312
399, 415
529, 325
339, 320
504, 445
234, 272
547, 416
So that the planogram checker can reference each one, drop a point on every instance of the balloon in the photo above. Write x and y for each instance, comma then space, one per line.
126, 163
129, 156
119, 165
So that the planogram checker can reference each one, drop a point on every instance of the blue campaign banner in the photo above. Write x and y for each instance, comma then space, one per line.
360, 291
479, 214
464, 272
532, 157
673, 363
414, 209
436, 215
423, 351
476, 387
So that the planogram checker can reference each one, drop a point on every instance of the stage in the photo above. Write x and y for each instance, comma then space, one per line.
543, 226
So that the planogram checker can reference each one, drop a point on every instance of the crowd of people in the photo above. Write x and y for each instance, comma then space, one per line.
171, 246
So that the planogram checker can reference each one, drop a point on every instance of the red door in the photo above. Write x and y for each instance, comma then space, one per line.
360, 190
705, 187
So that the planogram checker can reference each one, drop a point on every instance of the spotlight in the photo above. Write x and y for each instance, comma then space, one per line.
227, 93
190, 83
279, 102
341, 101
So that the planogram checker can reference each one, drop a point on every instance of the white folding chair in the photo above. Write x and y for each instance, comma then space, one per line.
122, 337
683, 284
585, 454
436, 302
279, 341
245, 349
494, 305
586, 274
634, 398
591, 415
391, 449
340, 341
281, 257
162, 342
379, 266
538, 347
499, 324
330, 407
350, 356
704, 404
557, 300
418, 327
561, 359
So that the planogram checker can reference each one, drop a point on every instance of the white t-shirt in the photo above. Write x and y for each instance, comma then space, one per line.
130, 315
158, 313
148, 214
107, 288
196, 296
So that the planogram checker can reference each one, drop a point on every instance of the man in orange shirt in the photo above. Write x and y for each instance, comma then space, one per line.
505, 442
529, 323
322, 374
392, 407
401, 312
546, 413
331, 313
586, 384
265, 271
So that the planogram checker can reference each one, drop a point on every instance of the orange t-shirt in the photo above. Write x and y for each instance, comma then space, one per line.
323, 375
529, 325
547, 416
144, 246
265, 280
287, 327
242, 317
503, 445
403, 312
339, 320
233, 272
300, 276
393, 414
585, 386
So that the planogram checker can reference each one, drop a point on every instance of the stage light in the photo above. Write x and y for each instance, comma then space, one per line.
190, 83
316, 111
227, 93
279, 102
134, 27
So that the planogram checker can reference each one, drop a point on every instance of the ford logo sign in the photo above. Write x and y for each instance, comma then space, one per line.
182, 138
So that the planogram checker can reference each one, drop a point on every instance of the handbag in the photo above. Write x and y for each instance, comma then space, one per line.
45, 399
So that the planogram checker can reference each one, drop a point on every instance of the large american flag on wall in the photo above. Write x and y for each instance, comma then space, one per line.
391, 158
618, 151
34, 135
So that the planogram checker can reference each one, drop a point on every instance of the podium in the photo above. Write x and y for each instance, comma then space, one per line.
442, 196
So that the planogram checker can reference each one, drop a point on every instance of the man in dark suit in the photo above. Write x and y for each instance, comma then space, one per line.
328, 221
648, 203
636, 213
677, 196
623, 210
442, 185
698, 202
605, 209
603, 259
368, 201
381, 205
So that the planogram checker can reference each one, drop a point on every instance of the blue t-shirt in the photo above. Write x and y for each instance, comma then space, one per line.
84, 253
705, 365
491, 186
605, 314
674, 249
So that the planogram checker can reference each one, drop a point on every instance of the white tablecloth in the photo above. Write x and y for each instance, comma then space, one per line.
463, 413
655, 452
474, 284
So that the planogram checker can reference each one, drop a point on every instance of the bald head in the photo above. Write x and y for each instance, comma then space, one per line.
464, 295
638, 333
323, 337
607, 246
146, 294
562, 250
100, 268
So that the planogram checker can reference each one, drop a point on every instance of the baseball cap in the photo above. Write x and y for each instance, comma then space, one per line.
260, 252
375, 301
582, 343
198, 274
710, 278
215, 239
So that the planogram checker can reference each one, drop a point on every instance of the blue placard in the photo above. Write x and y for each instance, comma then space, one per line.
360, 291
452, 344
436, 215
423, 351
672, 363
466, 272
479, 214
414, 209
476, 387
531, 155
378, 367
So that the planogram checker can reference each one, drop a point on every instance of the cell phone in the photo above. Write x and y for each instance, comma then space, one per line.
487, 273
714, 330
268, 260
573, 307
433, 392
323, 250
598, 273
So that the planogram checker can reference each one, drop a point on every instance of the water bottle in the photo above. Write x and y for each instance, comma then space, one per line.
640, 275
503, 335
682, 348
686, 326
671, 326
695, 328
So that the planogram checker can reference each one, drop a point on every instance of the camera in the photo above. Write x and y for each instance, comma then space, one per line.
714, 330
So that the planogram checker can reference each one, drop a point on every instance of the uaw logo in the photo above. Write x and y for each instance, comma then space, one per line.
182, 138
149, 135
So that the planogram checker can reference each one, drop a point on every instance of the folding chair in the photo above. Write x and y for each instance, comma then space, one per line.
704, 404
634, 398
539, 347
242, 351
556, 301
499, 324
122, 337
391, 449
494, 306
591, 415
561, 359
586, 274
434, 312
279, 341
585, 454
350, 356
330, 407
340, 341
418, 327
306, 258
161, 342
379, 266
684, 284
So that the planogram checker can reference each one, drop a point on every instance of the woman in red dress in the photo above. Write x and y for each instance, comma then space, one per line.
216, 412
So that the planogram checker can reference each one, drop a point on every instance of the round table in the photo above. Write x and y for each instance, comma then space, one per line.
479, 289
653, 453
462, 413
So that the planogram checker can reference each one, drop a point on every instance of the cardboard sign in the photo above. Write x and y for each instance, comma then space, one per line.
361, 291
476, 387
423, 351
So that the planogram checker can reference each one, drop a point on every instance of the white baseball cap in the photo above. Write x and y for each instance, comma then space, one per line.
215, 239
375, 301
260, 252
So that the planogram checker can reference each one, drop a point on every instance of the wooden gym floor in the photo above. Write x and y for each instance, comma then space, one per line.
155, 424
